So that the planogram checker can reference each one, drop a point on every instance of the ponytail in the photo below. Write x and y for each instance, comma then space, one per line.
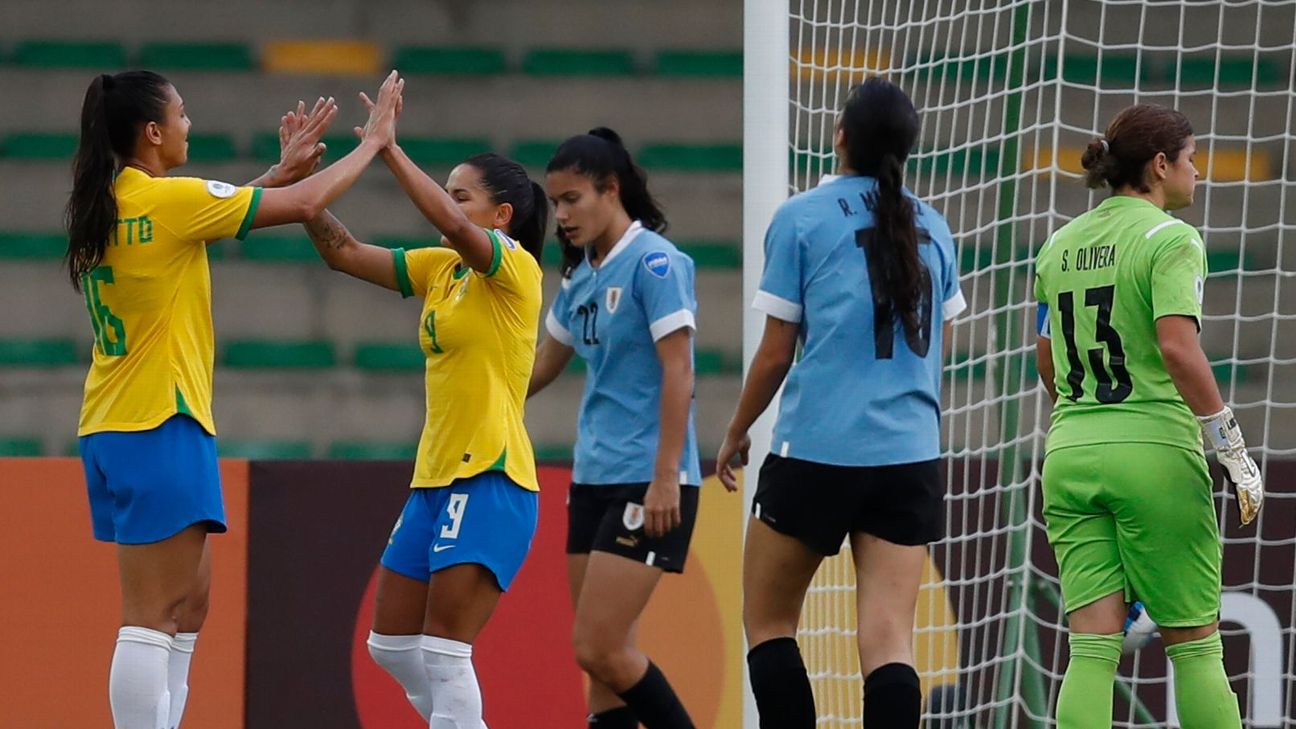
904, 277
881, 126
602, 156
114, 109
507, 182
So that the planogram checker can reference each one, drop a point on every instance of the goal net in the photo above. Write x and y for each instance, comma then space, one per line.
1009, 92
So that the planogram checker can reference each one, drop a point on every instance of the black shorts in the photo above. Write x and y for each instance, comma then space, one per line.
610, 519
819, 504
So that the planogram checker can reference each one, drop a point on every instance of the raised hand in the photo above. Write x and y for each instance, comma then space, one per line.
383, 113
300, 148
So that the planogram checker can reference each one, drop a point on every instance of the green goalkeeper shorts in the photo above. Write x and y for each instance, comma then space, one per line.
1138, 518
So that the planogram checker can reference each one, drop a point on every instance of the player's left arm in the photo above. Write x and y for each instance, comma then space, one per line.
475, 246
661, 504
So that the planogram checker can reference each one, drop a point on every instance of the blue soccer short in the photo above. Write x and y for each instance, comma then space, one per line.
150, 485
487, 519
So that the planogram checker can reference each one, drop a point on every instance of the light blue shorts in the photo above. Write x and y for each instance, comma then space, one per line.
150, 485
487, 519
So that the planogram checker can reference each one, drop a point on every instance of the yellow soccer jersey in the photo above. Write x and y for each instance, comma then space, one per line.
150, 301
478, 333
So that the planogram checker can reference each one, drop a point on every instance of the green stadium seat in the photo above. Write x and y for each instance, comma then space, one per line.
372, 451
949, 69
197, 56
265, 146
534, 153
973, 161
713, 254
265, 450
576, 62
211, 148
98, 55
1235, 72
39, 146
271, 248
1229, 260
711, 362
1117, 69
278, 354
11, 447
390, 356
724, 64
1224, 372
434, 152
38, 353
692, 157
463, 60
30, 245
551, 452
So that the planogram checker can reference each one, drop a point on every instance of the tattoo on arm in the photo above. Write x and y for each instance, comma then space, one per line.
328, 231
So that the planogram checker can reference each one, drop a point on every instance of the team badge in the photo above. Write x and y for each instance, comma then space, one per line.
633, 518
613, 298
657, 263
221, 190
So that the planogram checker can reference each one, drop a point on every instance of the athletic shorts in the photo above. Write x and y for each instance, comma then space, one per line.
150, 485
820, 504
1138, 518
486, 520
610, 518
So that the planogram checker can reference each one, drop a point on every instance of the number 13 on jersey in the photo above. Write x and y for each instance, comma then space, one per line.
1113, 386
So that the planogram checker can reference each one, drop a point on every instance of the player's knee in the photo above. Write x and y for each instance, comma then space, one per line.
604, 660
193, 611
1173, 636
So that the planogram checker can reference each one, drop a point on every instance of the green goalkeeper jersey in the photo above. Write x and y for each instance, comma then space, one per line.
1102, 281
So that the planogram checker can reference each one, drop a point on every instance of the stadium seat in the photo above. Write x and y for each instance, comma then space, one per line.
431, 240
559, 452
1229, 260
30, 245
97, 55
721, 64
372, 451
12, 447
577, 62
442, 152
713, 254
1115, 70
692, 157
39, 146
272, 248
265, 450
980, 161
1225, 371
191, 56
38, 353
389, 357
534, 153
463, 60
939, 69
265, 146
1198, 72
712, 362
211, 148
278, 354
322, 56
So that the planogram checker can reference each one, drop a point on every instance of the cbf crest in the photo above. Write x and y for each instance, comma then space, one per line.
613, 299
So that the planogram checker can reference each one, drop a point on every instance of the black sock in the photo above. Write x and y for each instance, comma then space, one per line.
892, 698
619, 718
781, 686
655, 703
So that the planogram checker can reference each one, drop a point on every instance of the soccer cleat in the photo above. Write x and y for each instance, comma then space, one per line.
1222, 432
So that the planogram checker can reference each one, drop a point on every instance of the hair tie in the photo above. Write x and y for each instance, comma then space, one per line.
1106, 147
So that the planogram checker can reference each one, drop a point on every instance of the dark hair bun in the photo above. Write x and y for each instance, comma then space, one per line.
607, 134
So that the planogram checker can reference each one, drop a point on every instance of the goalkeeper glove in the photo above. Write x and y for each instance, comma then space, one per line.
1221, 431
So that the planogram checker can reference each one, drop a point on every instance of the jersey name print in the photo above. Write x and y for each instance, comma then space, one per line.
1102, 281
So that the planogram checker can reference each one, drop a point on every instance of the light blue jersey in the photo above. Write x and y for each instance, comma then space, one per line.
613, 316
863, 393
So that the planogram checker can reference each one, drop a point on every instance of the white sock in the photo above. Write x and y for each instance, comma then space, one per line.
456, 698
400, 655
182, 648
137, 682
